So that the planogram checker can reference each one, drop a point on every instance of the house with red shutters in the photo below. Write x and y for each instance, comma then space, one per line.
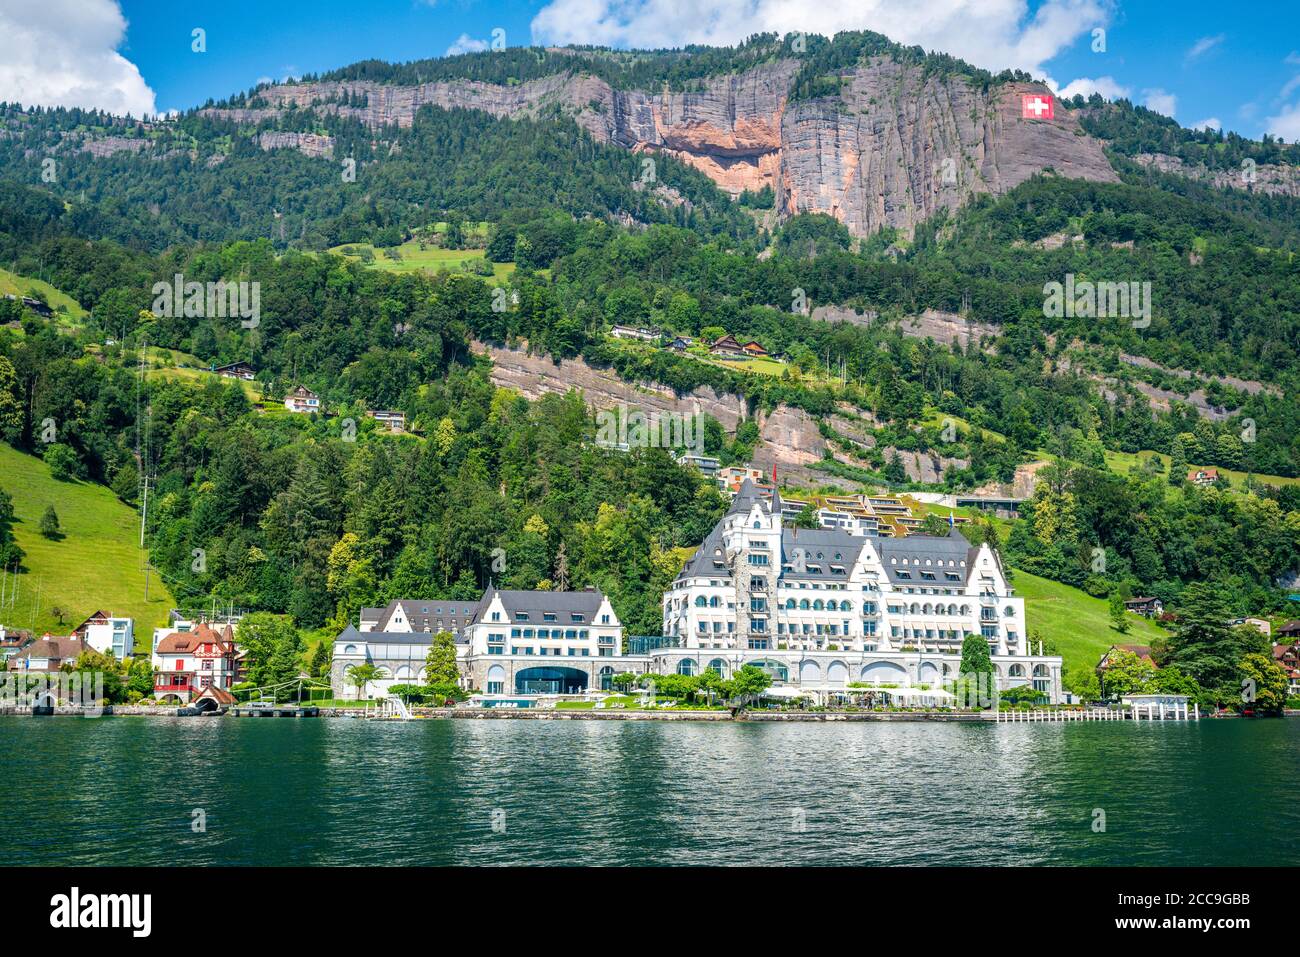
186, 663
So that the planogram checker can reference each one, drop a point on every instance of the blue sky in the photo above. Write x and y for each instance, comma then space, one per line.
1235, 65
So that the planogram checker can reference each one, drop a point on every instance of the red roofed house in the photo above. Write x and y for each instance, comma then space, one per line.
1203, 476
186, 663
1288, 657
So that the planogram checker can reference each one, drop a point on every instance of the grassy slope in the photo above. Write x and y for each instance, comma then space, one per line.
96, 565
415, 259
1077, 622
12, 284
1126, 462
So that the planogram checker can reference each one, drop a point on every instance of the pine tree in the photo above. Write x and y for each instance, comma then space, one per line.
1177, 462
50, 522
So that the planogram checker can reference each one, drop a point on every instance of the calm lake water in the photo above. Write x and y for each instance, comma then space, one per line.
123, 791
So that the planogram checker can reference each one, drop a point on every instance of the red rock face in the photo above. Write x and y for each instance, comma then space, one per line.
893, 148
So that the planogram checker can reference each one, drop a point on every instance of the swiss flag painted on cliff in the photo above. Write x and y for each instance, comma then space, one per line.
1036, 106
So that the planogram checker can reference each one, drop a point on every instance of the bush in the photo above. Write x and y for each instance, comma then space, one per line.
63, 462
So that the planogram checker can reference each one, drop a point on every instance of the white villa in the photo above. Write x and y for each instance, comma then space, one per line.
509, 642
821, 609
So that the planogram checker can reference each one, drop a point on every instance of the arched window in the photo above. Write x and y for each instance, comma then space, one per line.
927, 608
965, 609
789, 603
606, 675
1009, 612
713, 601
915, 608
1016, 671
831, 605
350, 649
803, 604
846, 605
818, 605
686, 666
718, 665
701, 601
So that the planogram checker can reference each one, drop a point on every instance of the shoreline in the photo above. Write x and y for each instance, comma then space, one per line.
527, 714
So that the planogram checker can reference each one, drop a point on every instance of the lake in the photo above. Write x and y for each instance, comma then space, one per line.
130, 791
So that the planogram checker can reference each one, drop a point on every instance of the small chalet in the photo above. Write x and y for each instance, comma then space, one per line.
1290, 631
393, 421
236, 370
1203, 476
34, 304
628, 332
681, 343
188, 662
302, 399
48, 654
1146, 607
729, 347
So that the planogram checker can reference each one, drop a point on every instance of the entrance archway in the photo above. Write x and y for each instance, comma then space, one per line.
884, 672
550, 681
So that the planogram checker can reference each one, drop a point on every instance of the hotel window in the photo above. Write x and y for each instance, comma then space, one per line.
604, 619
577, 618
495, 687
514, 633
758, 560
521, 616
548, 616
528, 632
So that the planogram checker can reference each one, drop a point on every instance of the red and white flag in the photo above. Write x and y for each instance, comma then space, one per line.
1036, 106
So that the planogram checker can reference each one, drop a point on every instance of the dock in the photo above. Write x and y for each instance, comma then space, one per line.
264, 709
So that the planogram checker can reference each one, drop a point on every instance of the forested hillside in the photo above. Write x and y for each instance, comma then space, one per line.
296, 514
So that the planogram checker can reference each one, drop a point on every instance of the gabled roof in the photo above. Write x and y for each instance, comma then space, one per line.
536, 604
822, 548
745, 499
56, 649
219, 695
350, 633
913, 551
186, 642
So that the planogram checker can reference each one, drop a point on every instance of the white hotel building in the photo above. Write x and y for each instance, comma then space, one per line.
825, 608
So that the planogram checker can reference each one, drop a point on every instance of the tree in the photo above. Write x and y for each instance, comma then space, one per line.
1205, 647
1118, 613
1178, 462
11, 409
92, 664
440, 662
807, 517
1126, 674
977, 680
274, 648
50, 523
1263, 683
746, 684
361, 675
140, 680
321, 659
63, 462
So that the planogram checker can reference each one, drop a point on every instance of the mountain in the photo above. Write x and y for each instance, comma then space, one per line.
872, 133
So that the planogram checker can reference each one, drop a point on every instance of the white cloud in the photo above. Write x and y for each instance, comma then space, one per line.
1203, 46
1085, 86
1286, 124
994, 34
1209, 123
466, 44
64, 53
1160, 101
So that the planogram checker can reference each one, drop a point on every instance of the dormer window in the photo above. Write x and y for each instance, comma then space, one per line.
521, 616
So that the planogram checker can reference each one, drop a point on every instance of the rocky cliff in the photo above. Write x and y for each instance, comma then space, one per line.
894, 147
